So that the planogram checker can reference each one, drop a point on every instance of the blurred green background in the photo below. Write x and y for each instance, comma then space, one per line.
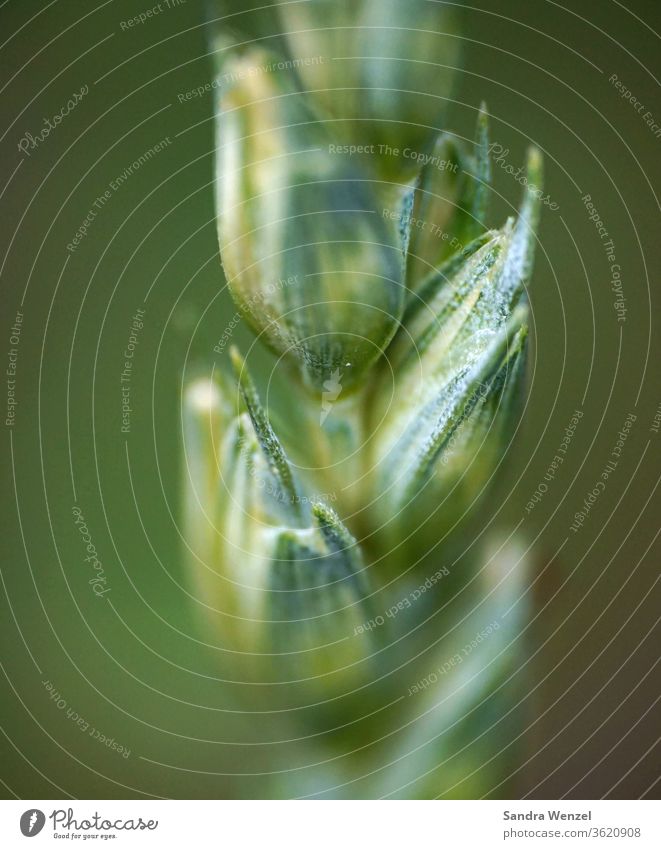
138, 668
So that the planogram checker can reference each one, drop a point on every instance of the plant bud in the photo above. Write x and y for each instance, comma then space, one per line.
386, 74
276, 571
314, 266
450, 207
458, 367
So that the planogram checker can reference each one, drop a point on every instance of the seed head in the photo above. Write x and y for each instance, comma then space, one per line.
315, 268
388, 70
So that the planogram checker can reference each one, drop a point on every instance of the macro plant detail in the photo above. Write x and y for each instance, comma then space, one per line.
321, 511
333, 413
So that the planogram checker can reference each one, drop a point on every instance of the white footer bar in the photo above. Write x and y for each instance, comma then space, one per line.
331, 825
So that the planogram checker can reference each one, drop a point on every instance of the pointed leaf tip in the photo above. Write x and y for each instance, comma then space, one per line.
335, 533
269, 442
524, 235
535, 167
482, 139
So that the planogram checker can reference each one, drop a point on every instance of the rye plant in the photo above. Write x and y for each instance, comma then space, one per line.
363, 611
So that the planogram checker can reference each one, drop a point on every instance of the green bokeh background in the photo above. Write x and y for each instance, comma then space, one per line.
543, 68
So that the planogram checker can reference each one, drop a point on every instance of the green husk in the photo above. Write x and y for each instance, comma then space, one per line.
331, 545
